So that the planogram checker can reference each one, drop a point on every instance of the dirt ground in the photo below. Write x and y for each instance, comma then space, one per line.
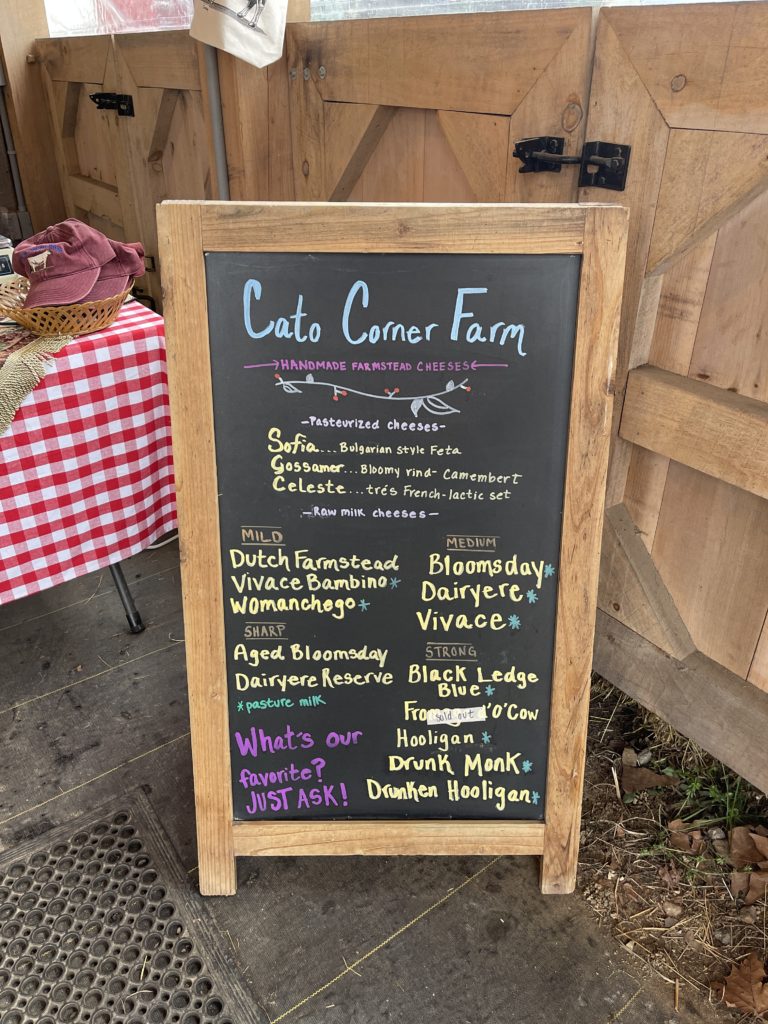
674, 856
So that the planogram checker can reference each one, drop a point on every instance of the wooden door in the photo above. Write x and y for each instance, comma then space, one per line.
684, 591
410, 109
86, 140
114, 169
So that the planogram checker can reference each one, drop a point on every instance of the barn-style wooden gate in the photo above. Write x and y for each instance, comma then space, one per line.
430, 109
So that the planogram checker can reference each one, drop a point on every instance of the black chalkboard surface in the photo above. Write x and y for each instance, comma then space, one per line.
390, 438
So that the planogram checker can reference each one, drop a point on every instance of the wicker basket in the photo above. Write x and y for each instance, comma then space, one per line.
78, 318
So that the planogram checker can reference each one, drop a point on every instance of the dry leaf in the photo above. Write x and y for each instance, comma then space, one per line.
758, 887
739, 883
746, 987
670, 875
635, 780
743, 848
682, 839
761, 842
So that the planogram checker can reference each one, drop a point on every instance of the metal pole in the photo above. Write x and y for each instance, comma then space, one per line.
217, 121
131, 611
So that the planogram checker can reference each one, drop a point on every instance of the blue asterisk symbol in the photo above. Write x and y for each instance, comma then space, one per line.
549, 570
394, 583
490, 690
239, 705
534, 797
363, 605
486, 738
532, 596
527, 766
514, 622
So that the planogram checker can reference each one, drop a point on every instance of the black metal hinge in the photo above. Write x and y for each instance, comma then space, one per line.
602, 164
118, 101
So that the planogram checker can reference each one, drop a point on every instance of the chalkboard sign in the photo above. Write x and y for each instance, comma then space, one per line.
390, 431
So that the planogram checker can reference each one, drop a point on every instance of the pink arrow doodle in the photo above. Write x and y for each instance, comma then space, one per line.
258, 366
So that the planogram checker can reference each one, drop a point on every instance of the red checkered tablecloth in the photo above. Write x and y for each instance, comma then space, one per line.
86, 474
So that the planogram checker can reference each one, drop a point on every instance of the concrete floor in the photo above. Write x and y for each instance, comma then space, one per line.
88, 711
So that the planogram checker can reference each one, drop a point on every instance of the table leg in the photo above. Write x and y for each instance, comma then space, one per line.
131, 611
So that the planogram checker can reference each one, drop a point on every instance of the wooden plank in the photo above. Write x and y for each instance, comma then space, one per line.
92, 148
708, 177
352, 132
698, 425
646, 480
444, 179
387, 838
602, 273
298, 10
357, 227
758, 670
245, 110
703, 64
280, 156
162, 129
556, 104
307, 124
479, 142
481, 63
621, 109
186, 317
714, 707
74, 59
96, 197
632, 591
711, 549
160, 60
730, 350
22, 22
395, 172
683, 288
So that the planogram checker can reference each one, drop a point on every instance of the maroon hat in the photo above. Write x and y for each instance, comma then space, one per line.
115, 276
62, 263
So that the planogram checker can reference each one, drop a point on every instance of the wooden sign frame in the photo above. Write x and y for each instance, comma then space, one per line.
187, 231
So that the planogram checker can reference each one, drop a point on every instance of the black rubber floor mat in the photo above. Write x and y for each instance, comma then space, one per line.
98, 926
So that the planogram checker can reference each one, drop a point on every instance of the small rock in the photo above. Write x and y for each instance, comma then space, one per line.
720, 846
629, 757
748, 915
716, 833
722, 936
692, 940
629, 944
672, 909
669, 922
644, 757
